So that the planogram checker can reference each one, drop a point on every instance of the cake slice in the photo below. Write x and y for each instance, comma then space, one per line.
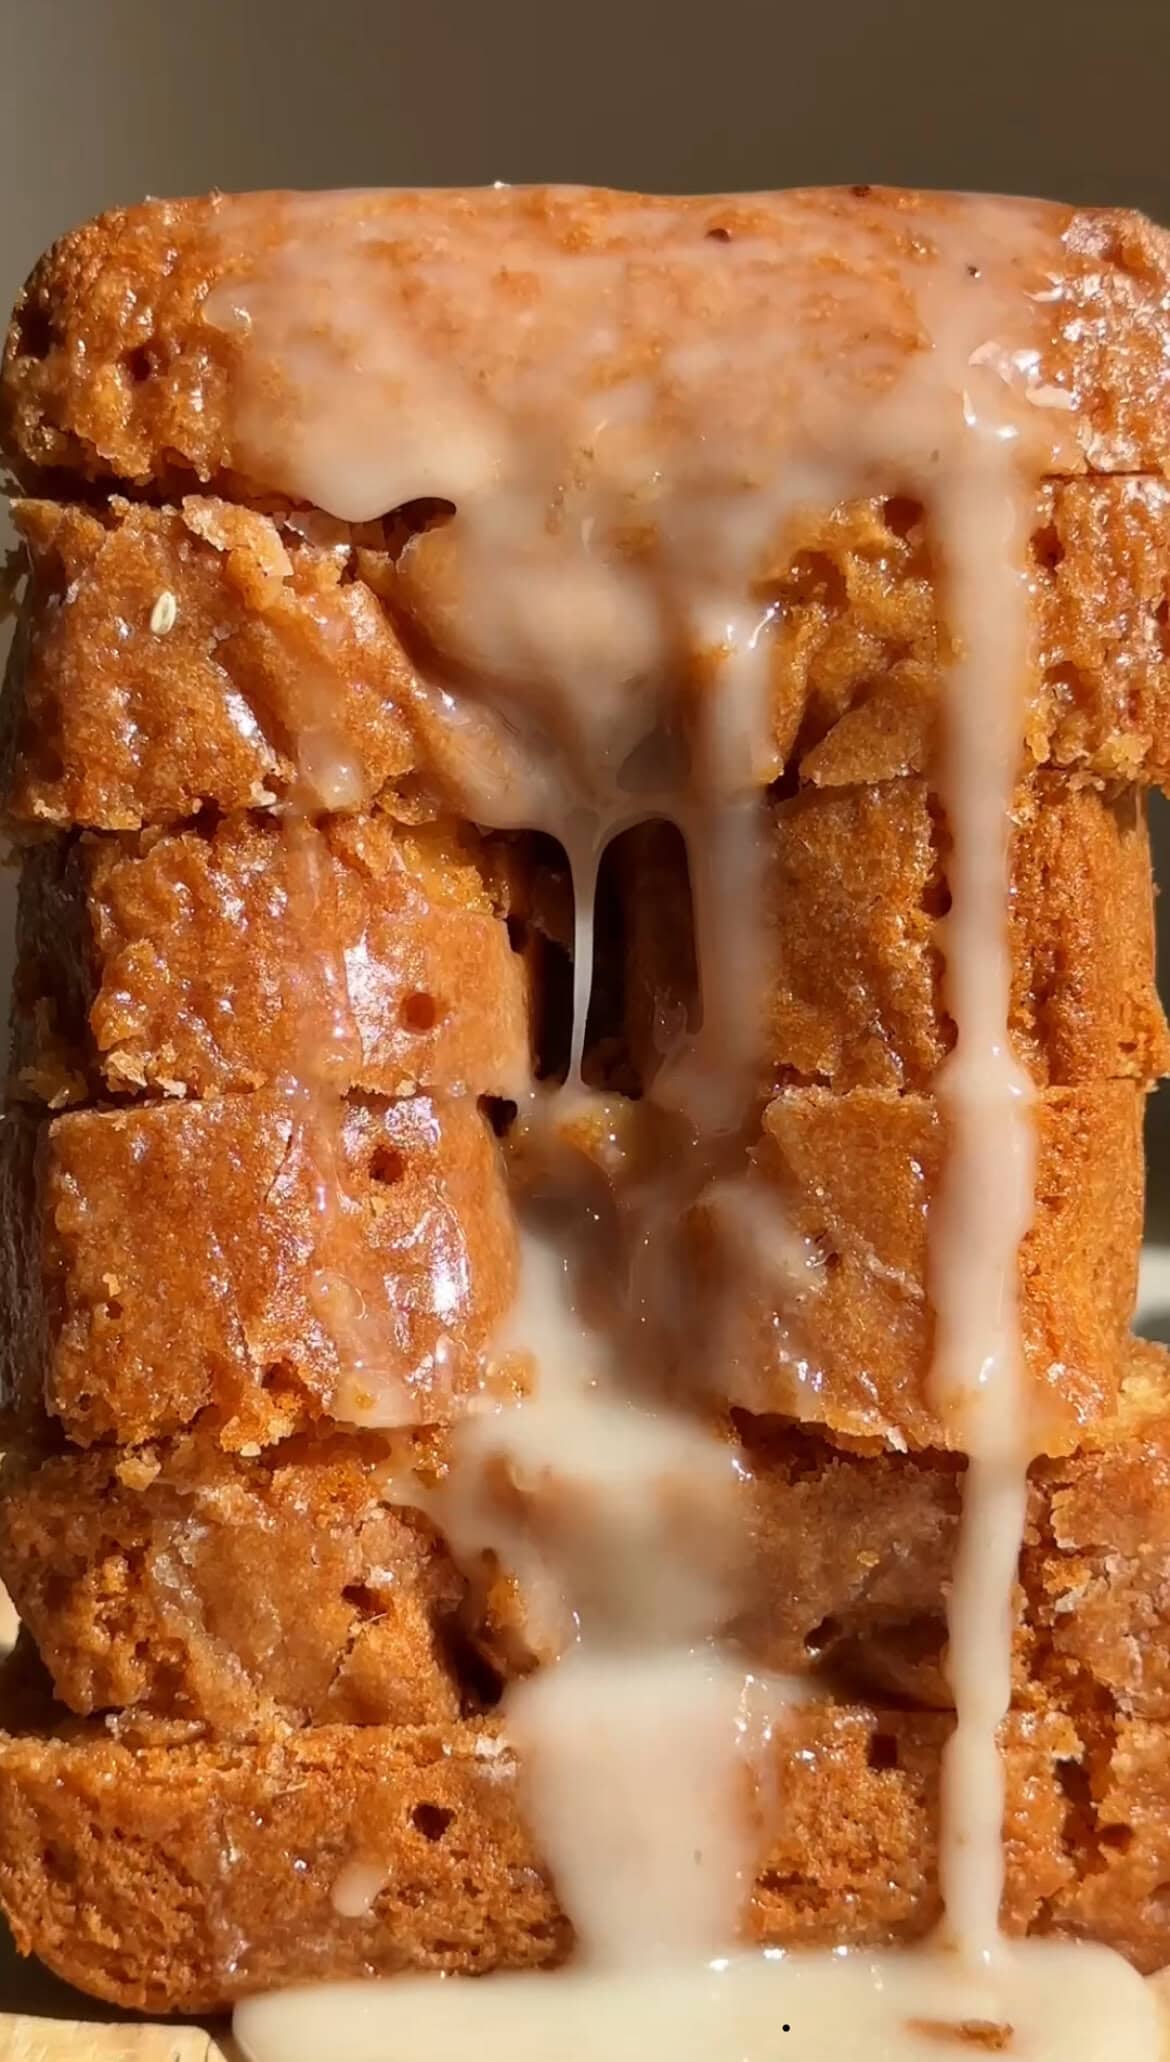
304, 1585
116, 1221
816, 1261
180, 1875
112, 723
856, 891
117, 369
172, 962
312, 1583
175, 963
854, 1553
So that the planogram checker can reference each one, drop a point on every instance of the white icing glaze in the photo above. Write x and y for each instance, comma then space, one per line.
356, 1889
1066, 2004
623, 430
634, 1766
613, 1517
987, 1197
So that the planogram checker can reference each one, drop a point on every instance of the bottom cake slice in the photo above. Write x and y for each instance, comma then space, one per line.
171, 1874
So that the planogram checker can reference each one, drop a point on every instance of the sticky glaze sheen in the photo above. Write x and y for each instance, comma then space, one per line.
624, 430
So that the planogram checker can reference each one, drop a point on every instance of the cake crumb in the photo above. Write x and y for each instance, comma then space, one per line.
164, 613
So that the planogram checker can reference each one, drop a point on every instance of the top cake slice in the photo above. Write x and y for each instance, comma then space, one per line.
594, 385
125, 351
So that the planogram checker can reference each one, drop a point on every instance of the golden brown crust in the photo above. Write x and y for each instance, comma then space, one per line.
158, 1876
112, 369
175, 1248
188, 963
207, 1208
1118, 1894
856, 894
820, 1263
111, 725
303, 1585
853, 1551
114, 724
300, 1586
860, 652
1096, 1572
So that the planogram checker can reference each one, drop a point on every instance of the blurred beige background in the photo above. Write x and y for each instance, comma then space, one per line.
105, 100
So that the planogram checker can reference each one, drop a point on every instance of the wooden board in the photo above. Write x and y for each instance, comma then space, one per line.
44, 2021
72, 2040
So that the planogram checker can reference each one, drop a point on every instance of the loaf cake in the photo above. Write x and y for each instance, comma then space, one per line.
468, 812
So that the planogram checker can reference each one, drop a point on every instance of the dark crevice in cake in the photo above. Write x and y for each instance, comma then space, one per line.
501, 1113
661, 1005
479, 1678
607, 1064
429, 512
547, 935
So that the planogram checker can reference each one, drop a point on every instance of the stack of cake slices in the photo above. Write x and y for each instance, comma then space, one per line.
250, 1663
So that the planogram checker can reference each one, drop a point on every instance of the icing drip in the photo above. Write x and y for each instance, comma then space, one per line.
583, 854
986, 1204
624, 428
